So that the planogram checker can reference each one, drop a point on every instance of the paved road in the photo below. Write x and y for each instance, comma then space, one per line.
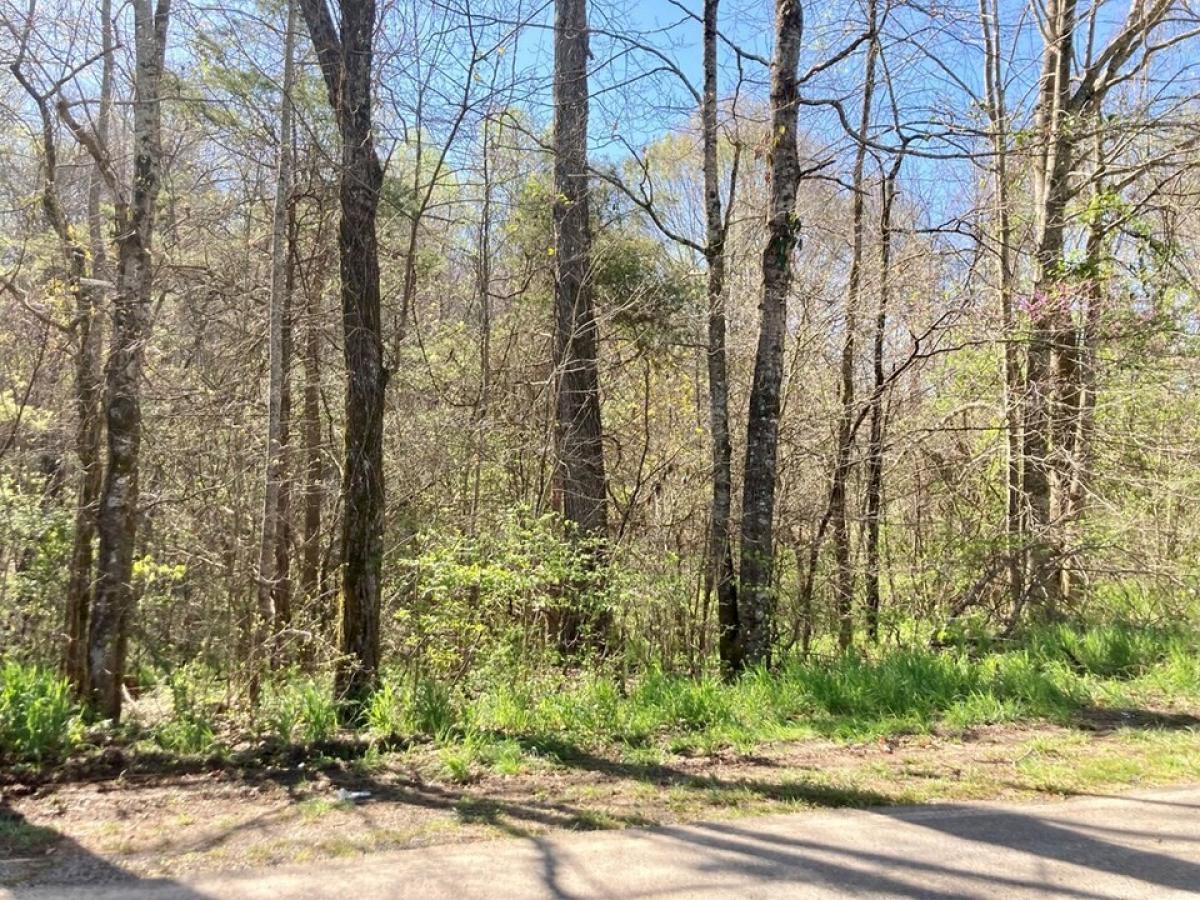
1138, 845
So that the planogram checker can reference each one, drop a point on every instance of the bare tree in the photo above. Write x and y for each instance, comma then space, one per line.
86, 279
755, 589
720, 573
273, 518
345, 57
878, 415
135, 220
998, 123
844, 584
579, 432
1065, 104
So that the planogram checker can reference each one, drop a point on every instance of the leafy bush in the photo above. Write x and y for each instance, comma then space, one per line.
480, 605
38, 719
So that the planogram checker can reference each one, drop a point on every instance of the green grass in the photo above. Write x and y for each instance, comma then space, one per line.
38, 718
1052, 674
18, 836
518, 721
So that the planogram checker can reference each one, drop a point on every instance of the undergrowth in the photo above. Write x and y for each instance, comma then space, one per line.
510, 723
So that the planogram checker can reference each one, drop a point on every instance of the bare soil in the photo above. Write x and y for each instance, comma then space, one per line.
112, 817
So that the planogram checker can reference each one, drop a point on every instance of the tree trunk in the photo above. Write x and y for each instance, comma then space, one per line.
1048, 313
720, 574
345, 57
272, 515
281, 597
998, 120
874, 506
310, 560
844, 581
89, 382
483, 278
87, 332
579, 434
756, 601
109, 627
1076, 400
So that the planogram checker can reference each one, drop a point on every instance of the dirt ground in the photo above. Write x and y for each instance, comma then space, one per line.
118, 817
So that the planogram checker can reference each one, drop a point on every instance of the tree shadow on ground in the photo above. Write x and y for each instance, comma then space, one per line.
33, 855
528, 817
728, 858
1107, 719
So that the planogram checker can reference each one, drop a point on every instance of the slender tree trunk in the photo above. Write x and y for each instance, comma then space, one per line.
90, 392
874, 506
998, 119
87, 332
579, 433
88, 436
345, 56
284, 537
844, 582
483, 274
314, 467
272, 514
756, 598
720, 574
113, 607
1048, 312
1076, 401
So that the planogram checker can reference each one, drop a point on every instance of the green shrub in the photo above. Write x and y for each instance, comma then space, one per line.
38, 719
431, 709
318, 713
385, 712
301, 710
480, 604
191, 729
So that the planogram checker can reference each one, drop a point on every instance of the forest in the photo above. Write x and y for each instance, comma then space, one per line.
505, 381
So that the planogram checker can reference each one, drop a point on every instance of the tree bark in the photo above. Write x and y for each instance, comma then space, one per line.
87, 333
90, 392
874, 505
314, 466
274, 474
579, 432
113, 606
994, 95
720, 573
345, 57
844, 582
1047, 312
756, 598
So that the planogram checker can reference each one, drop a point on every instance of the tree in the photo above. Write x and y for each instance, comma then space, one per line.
579, 432
135, 211
755, 589
997, 112
273, 517
345, 57
1066, 106
878, 414
720, 573
844, 585
87, 278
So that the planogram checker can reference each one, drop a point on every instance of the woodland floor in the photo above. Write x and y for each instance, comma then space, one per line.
113, 817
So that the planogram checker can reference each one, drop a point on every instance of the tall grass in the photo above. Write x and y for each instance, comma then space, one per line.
38, 718
1050, 674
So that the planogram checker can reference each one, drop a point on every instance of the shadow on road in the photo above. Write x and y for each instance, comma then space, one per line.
35, 860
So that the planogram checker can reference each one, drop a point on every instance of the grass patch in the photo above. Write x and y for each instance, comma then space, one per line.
1053, 674
18, 836
38, 719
